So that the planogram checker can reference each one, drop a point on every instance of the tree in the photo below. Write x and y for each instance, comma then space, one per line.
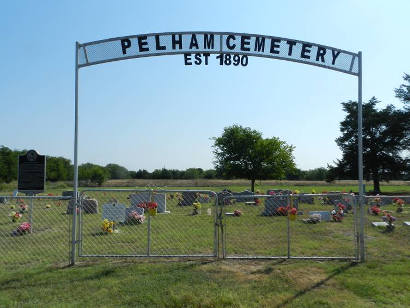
243, 153
383, 146
8, 164
58, 168
92, 173
403, 92
117, 172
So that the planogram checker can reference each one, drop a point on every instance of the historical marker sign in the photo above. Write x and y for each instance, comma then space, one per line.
31, 172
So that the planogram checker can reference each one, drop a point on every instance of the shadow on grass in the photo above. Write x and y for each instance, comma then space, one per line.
336, 272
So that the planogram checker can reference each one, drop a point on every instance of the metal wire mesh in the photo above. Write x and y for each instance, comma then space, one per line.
377, 224
154, 44
182, 225
34, 230
326, 226
280, 225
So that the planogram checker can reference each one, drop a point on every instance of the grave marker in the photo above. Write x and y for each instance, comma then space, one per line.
114, 212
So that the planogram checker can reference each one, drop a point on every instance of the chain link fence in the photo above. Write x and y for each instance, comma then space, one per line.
388, 217
34, 230
196, 223
121, 223
282, 225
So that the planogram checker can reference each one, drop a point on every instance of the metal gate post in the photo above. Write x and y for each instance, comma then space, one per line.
149, 227
216, 229
360, 158
288, 224
73, 237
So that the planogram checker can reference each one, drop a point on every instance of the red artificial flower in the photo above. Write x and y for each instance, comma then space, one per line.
341, 206
152, 205
375, 210
142, 205
293, 211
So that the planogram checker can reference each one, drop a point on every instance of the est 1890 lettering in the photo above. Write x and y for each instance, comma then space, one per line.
223, 59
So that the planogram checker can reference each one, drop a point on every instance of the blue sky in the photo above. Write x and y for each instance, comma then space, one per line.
155, 112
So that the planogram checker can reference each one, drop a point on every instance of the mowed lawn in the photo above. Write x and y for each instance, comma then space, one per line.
34, 271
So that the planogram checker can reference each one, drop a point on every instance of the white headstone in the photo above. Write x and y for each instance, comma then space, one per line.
324, 215
114, 212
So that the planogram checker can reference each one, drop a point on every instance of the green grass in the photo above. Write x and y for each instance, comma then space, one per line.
34, 271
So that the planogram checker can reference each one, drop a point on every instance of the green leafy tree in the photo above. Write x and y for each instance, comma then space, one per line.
243, 153
117, 172
403, 92
383, 146
92, 173
58, 169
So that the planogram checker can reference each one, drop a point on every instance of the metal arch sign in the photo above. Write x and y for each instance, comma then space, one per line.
221, 43
173, 43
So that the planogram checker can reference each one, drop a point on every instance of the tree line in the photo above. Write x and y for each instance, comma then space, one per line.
61, 169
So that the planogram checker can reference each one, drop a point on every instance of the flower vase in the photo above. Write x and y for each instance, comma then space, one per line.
292, 216
152, 212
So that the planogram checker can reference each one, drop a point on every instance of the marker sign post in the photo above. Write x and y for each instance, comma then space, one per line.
31, 177
31, 173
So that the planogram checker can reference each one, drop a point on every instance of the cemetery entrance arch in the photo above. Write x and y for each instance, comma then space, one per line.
196, 48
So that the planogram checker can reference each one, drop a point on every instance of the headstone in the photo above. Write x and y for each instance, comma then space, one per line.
204, 198
324, 215
306, 199
144, 196
114, 212
273, 203
379, 224
225, 197
68, 193
31, 172
188, 198
244, 196
89, 206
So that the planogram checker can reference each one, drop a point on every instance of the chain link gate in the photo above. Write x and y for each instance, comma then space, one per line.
266, 227
185, 224
34, 229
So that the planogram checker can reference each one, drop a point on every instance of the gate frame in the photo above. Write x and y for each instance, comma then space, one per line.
148, 254
359, 131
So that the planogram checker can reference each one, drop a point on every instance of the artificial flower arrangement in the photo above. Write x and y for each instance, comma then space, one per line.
136, 218
337, 215
152, 208
376, 200
237, 213
292, 213
143, 205
282, 210
108, 226
23, 208
389, 219
196, 205
343, 207
375, 210
257, 201
24, 228
399, 203
15, 216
